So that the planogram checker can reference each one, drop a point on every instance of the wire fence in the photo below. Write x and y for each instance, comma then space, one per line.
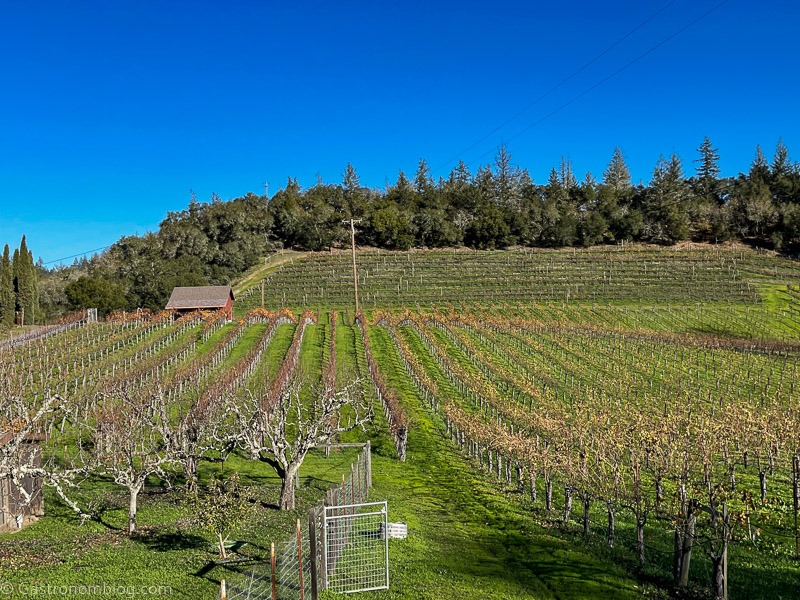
297, 569
356, 547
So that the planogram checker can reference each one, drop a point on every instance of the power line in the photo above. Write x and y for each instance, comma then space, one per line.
558, 85
50, 262
617, 72
612, 75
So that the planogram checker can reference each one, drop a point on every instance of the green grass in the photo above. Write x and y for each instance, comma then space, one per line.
467, 536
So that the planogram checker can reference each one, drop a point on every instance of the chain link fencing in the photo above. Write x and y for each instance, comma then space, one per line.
299, 567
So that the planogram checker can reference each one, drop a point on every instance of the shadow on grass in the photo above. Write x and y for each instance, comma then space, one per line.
162, 541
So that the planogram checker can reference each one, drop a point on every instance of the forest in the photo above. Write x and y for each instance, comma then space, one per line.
498, 206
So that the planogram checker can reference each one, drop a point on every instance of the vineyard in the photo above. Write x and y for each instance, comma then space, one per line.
599, 423
619, 275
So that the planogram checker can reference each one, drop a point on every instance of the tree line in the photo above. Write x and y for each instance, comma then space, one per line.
19, 287
498, 206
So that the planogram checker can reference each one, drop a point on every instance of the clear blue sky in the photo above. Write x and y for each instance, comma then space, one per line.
111, 112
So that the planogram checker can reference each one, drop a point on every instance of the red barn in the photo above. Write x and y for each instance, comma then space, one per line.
207, 297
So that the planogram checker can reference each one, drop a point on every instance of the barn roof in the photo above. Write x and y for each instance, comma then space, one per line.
207, 296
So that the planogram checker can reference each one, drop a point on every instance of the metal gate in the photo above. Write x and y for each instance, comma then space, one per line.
356, 547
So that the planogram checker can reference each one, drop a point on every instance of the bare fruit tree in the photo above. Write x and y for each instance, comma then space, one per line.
23, 423
129, 442
298, 422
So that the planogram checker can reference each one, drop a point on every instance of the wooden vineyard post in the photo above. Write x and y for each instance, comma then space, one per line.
725, 551
312, 549
300, 561
353, 489
273, 568
223, 592
358, 480
368, 463
796, 499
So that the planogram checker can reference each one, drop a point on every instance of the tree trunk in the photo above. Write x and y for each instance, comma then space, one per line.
686, 550
677, 553
659, 494
288, 488
190, 471
132, 507
533, 486
762, 476
586, 506
611, 525
640, 540
718, 577
567, 502
548, 492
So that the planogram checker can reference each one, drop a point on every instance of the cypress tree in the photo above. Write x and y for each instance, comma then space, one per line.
7, 300
25, 285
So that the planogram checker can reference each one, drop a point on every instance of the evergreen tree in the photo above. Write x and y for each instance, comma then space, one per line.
617, 176
7, 299
708, 171
666, 202
759, 169
567, 176
507, 191
26, 286
423, 182
782, 176
403, 193
354, 198
781, 165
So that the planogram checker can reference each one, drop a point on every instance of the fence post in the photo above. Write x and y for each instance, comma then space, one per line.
796, 501
353, 490
312, 549
358, 479
368, 456
300, 561
223, 593
273, 574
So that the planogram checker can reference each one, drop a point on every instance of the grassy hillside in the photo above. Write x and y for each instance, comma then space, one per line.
618, 275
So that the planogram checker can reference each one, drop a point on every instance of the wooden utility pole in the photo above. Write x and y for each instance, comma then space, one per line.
353, 246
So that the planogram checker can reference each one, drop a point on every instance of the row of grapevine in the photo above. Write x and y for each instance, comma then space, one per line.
395, 415
663, 464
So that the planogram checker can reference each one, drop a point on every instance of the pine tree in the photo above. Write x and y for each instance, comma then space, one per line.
666, 203
7, 299
708, 171
423, 182
617, 175
353, 195
781, 165
782, 180
759, 169
506, 179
